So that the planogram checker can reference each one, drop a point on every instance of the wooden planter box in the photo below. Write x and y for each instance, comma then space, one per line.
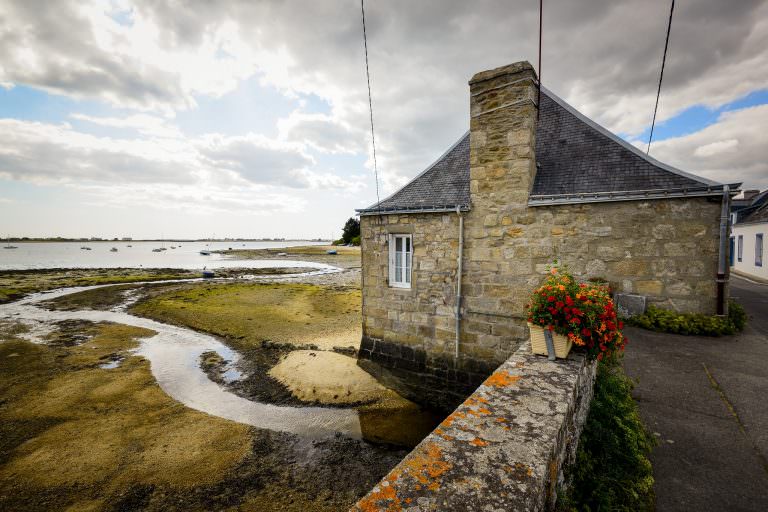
539, 343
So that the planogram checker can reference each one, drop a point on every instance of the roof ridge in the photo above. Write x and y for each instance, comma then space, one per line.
631, 147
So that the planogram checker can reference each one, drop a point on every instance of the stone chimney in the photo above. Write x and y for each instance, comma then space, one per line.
502, 136
502, 166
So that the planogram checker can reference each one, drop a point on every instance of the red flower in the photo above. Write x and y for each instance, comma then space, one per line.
551, 299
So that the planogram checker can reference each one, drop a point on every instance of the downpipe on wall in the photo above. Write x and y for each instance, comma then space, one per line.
458, 280
722, 305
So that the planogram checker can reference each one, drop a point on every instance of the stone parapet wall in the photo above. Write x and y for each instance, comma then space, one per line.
504, 448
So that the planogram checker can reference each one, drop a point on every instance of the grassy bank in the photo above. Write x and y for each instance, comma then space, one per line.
247, 314
75, 435
15, 284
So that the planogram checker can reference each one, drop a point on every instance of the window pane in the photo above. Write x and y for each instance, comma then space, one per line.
407, 267
740, 248
398, 266
408, 245
398, 243
759, 250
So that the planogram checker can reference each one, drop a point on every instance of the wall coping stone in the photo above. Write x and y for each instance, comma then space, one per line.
504, 448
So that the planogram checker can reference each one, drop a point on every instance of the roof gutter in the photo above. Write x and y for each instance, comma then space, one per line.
634, 195
426, 209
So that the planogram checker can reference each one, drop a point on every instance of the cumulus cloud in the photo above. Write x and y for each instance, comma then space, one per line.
47, 153
731, 150
144, 124
258, 159
58, 154
322, 132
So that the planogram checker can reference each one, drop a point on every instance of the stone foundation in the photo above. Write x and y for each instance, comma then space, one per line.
435, 381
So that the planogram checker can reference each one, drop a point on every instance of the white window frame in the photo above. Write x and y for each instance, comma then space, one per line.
400, 276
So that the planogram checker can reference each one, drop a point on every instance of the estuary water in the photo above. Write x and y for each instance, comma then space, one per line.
186, 255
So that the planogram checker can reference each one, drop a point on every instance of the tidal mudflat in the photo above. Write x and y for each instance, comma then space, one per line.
88, 422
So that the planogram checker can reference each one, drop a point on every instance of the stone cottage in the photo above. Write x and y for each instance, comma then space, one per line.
450, 259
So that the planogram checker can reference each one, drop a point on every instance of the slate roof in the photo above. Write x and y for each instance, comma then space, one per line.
577, 161
757, 213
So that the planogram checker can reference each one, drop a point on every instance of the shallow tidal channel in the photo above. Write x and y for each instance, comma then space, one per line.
313, 451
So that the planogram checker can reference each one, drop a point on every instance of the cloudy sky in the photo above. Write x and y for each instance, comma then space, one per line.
189, 118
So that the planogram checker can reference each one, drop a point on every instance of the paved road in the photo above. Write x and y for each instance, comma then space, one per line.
707, 401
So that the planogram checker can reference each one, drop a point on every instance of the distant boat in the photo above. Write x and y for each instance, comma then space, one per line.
157, 250
85, 248
114, 249
331, 251
208, 273
207, 250
10, 247
129, 245
173, 247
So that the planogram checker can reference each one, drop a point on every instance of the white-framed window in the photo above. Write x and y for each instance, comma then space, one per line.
400, 260
759, 250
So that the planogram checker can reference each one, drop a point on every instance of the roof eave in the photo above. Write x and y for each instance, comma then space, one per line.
636, 195
426, 209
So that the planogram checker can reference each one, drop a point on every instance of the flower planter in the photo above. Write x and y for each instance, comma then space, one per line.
539, 343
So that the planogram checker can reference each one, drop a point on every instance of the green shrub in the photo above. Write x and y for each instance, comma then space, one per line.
612, 470
355, 240
693, 324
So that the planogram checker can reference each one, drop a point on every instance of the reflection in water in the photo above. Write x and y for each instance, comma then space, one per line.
174, 355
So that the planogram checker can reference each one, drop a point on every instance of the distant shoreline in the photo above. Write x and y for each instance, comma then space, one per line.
188, 240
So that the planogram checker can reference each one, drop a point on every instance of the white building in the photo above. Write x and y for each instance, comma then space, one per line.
748, 243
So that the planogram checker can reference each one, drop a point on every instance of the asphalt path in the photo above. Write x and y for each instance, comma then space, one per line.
706, 401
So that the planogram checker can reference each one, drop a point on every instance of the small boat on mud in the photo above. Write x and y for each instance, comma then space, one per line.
157, 250
114, 249
208, 273
85, 248
10, 247
332, 252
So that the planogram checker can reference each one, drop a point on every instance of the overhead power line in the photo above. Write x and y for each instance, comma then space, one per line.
370, 104
661, 77
538, 99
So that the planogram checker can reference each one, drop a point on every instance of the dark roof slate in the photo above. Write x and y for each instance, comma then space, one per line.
574, 156
443, 185
758, 212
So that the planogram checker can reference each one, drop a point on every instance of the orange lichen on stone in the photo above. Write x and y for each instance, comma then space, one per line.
501, 419
427, 465
501, 379
381, 498
478, 442
447, 422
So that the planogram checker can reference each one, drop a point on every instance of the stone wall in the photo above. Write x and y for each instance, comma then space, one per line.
411, 332
504, 448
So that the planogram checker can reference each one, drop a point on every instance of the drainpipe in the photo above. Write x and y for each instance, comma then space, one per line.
458, 279
722, 305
